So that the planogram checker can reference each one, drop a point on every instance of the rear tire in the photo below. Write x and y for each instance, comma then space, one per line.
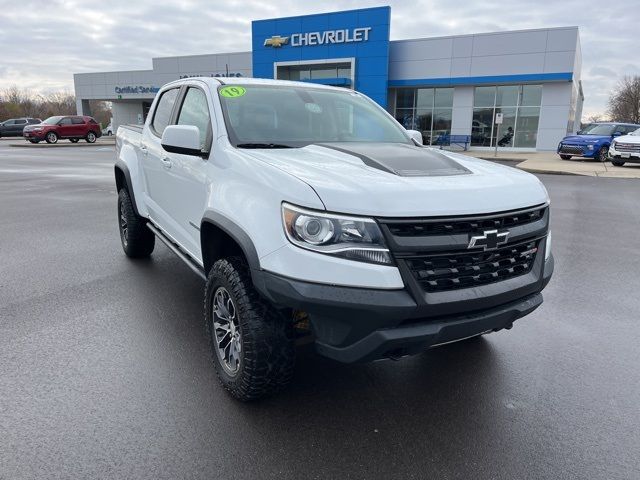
52, 137
252, 342
565, 157
617, 163
137, 240
603, 154
91, 137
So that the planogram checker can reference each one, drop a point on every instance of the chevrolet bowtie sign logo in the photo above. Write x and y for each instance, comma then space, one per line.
276, 41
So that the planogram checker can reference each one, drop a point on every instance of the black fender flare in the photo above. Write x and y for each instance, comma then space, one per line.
120, 166
237, 233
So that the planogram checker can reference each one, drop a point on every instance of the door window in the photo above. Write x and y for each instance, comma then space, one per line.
77, 121
65, 121
195, 111
162, 116
20, 122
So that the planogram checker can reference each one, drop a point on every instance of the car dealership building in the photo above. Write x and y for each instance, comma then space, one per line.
441, 86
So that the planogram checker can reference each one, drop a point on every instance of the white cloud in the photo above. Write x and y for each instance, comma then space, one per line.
42, 49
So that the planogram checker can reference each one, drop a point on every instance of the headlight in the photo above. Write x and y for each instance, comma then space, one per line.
590, 147
613, 146
547, 248
355, 238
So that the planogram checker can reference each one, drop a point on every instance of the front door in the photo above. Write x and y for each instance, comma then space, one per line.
65, 128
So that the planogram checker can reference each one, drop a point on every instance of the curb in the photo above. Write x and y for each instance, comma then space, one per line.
62, 145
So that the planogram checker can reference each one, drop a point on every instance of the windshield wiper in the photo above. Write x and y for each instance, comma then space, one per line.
263, 145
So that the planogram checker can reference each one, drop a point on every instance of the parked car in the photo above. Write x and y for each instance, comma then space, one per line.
593, 141
72, 127
14, 126
108, 130
301, 218
625, 149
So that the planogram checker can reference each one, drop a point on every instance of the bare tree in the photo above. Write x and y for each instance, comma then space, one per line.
624, 103
594, 118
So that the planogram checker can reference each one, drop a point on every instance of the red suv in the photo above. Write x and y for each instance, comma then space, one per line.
73, 127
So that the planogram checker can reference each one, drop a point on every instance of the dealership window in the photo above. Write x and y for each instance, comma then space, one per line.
520, 108
425, 109
311, 72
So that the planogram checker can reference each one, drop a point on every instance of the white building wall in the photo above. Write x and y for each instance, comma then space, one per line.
126, 113
462, 114
554, 114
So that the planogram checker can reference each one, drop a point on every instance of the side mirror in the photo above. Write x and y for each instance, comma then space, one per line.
416, 136
182, 139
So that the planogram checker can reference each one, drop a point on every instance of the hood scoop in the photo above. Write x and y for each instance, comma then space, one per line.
401, 159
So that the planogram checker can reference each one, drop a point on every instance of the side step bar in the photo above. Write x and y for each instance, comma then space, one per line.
175, 249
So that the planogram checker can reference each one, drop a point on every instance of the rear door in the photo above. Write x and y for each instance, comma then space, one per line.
78, 127
18, 126
154, 164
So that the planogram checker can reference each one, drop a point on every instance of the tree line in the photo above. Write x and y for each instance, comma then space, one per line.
16, 102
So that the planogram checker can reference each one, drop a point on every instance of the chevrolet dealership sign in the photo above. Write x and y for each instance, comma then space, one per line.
320, 38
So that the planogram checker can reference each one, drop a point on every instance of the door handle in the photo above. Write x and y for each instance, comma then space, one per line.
166, 162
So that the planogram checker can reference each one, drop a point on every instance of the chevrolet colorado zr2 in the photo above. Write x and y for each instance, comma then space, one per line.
308, 208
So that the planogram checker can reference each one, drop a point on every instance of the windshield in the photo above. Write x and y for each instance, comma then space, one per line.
598, 129
52, 120
289, 116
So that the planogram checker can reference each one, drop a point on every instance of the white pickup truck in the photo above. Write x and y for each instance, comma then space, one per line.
309, 210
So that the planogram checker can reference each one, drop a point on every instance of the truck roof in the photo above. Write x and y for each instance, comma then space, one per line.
214, 82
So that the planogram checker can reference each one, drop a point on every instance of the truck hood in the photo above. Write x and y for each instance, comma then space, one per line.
585, 139
398, 180
635, 139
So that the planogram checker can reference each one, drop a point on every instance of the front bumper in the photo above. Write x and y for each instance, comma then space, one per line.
577, 150
34, 135
359, 325
631, 157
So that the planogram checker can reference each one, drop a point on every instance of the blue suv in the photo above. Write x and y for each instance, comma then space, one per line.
593, 141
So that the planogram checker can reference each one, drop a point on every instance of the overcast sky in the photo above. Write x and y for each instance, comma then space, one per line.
44, 42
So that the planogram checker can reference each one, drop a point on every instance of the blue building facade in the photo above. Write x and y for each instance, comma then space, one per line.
348, 49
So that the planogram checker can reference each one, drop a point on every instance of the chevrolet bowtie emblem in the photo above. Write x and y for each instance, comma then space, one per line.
489, 240
276, 41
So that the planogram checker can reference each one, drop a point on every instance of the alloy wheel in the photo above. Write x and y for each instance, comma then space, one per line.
226, 329
124, 230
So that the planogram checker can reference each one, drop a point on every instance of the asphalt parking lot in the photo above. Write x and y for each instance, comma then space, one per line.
105, 370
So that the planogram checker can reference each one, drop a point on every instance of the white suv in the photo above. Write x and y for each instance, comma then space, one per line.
309, 210
625, 149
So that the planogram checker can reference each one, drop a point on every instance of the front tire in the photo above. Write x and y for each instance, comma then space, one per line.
617, 163
137, 240
251, 342
565, 157
91, 137
52, 137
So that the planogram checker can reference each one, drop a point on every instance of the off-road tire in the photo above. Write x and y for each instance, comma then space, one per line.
617, 163
565, 157
267, 337
137, 240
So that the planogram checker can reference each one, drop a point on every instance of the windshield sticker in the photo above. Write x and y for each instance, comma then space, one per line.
313, 107
232, 92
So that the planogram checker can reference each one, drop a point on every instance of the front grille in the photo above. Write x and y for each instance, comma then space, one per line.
453, 271
627, 147
571, 149
422, 228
